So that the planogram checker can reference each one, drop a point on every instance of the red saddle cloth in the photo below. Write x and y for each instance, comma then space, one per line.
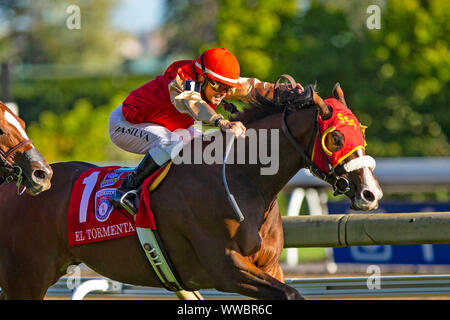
92, 218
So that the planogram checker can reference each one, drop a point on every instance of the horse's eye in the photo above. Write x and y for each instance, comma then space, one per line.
335, 140
1, 132
338, 141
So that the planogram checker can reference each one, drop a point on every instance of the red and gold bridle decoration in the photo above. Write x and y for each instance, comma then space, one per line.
344, 121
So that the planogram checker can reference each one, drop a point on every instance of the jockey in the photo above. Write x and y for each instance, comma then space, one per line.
188, 91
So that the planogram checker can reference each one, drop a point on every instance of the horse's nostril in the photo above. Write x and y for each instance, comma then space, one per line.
39, 174
368, 196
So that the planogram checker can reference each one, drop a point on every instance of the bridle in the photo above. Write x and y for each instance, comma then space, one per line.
339, 183
14, 171
335, 177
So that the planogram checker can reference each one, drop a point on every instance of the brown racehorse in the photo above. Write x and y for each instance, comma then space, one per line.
208, 247
19, 159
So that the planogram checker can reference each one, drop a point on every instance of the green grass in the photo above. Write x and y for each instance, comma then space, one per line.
307, 255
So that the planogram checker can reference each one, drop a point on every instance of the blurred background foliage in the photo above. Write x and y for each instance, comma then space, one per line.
396, 78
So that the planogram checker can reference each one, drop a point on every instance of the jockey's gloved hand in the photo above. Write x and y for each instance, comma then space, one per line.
299, 88
234, 126
230, 107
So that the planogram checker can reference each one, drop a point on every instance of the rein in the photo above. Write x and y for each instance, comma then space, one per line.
14, 171
231, 199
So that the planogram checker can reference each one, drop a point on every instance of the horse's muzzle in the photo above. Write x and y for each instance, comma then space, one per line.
367, 199
41, 175
37, 171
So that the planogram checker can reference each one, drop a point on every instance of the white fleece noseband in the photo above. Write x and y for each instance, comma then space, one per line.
360, 163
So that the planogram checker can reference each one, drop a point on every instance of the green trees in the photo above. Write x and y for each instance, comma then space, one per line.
40, 32
412, 59
395, 78
80, 133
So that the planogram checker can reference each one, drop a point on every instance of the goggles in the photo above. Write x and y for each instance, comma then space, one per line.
218, 86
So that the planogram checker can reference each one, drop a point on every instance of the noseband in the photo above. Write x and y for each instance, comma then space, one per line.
14, 171
340, 184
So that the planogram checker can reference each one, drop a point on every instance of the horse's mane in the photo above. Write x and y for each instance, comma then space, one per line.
258, 108
261, 107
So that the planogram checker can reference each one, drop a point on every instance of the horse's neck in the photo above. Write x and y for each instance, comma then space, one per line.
270, 181
276, 159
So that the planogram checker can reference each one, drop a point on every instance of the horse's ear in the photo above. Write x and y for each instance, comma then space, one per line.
339, 94
323, 108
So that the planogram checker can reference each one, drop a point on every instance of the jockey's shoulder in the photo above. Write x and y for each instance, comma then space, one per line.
180, 67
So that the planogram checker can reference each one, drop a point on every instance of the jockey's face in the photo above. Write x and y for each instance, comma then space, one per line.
215, 94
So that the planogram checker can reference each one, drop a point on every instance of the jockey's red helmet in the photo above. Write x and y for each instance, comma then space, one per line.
220, 65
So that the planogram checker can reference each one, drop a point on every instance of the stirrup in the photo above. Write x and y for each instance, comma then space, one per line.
129, 204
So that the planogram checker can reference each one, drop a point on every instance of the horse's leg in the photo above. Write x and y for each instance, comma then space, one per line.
23, 275
232, 272
20, 286
30, 279
245, 278
276, 272
254, 282
24, 283
32, 256
267, 257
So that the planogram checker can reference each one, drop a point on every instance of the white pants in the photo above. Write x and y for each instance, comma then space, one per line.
161, 143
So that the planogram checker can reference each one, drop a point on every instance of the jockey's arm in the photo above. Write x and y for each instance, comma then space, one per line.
249, 88
191, 103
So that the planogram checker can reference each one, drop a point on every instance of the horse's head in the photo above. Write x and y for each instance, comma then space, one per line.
19, 160
337, 155
339, 152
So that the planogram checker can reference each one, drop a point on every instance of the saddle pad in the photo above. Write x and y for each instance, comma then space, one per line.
92, 218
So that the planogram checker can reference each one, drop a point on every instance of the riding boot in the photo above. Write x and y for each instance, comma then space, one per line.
127, 195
